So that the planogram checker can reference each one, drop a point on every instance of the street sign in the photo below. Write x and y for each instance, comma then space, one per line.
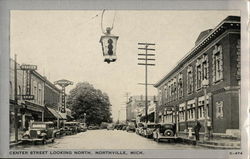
28, 97
28, 67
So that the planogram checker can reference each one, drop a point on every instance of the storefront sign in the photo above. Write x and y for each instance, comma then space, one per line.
28, 67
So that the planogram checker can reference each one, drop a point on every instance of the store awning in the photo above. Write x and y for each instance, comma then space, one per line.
54, 113
63, 115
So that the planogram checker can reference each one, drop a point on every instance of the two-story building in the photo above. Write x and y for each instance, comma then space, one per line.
215, 58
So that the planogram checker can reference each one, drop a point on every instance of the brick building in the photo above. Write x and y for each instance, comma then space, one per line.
215, 58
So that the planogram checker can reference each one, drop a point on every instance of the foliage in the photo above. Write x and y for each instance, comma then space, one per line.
84, 98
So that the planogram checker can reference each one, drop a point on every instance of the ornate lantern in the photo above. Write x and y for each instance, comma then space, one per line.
108, 42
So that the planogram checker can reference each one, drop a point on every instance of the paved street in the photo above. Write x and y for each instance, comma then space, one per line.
104, 139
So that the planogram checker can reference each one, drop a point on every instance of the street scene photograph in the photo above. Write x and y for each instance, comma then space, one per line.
124, 79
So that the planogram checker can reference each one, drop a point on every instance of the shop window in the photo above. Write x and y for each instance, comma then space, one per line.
217, 64
190, 79
219, 109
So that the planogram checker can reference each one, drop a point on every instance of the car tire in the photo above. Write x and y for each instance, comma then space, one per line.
168, 132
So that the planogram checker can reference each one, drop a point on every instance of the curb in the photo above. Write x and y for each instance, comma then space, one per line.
15, 143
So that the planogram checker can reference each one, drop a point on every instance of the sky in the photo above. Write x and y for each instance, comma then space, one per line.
65, 45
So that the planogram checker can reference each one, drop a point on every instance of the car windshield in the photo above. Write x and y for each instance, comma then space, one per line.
36, 126
140, 125
151, 126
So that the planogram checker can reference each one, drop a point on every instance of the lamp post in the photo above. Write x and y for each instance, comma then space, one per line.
204, 85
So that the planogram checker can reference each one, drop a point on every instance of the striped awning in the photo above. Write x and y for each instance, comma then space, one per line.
54, 113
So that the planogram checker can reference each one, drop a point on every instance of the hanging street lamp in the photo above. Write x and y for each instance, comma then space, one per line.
108, 42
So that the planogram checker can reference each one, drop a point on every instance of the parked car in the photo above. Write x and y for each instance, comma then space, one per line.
110, 127
124, 127
142, 128
165, 131
71, 127
131, 127
139, 127
150, 128
40, 132
83, 127
93, 127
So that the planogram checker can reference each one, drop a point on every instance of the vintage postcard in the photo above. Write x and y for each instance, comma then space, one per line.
124, 82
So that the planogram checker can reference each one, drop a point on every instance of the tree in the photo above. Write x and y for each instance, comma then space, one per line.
84, 98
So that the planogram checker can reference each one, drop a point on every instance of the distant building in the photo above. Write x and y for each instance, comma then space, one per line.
215, 57
135, 109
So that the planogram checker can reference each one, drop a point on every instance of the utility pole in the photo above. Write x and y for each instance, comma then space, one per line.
16, 99
127, 100
146, 64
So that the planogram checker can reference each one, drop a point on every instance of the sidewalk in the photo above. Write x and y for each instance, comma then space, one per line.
12, 137
213, 143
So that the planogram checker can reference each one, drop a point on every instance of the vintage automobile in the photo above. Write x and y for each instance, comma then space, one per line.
40, 132
150, 128
139, 127
93, 127
82, 127
71, 128
110, 127
131, 127
165, 131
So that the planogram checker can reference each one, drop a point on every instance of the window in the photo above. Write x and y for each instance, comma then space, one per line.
160, 97
198, 74
219, 109
205, 71
201, 108
238, 60
191, 110
11, 91
169, 118
180, 85
182, 112
19, 90
217, 64
175, 88
35, 90
190, 79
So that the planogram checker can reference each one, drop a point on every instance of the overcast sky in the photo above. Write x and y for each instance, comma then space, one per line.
65, 45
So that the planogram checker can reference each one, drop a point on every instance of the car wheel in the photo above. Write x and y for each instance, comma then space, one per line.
53, 140
169, 133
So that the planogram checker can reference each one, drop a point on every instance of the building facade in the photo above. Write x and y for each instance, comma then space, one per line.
44, 105
135, 109
211, 72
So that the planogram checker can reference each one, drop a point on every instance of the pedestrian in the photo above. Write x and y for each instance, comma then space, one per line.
197, 128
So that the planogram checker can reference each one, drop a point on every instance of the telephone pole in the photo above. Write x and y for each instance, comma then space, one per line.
146, 57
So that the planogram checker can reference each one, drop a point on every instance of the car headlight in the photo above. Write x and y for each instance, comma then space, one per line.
38, 132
